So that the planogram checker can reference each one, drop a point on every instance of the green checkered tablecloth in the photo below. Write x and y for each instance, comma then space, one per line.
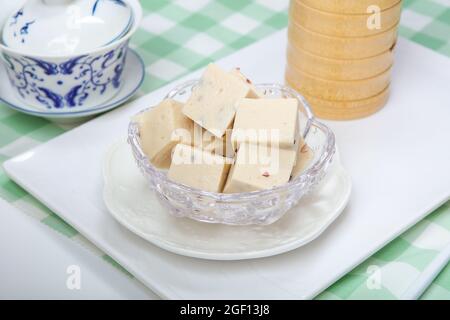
177, 37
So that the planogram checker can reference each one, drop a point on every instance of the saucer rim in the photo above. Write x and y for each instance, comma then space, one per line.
338, 171
99, 109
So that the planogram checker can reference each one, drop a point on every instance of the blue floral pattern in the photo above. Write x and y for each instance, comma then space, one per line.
44, 81
22, 30
16, 17
118, 2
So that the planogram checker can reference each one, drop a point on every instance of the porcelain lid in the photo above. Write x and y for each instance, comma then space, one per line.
66, 27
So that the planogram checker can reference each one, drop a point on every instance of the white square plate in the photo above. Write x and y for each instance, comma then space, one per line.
398, 159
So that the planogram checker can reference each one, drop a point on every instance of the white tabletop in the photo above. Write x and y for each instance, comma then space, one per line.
35, 260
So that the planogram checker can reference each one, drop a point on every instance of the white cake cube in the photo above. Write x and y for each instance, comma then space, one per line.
254, 93
212, 104
161, 128
259, 167
266, 121
198, 168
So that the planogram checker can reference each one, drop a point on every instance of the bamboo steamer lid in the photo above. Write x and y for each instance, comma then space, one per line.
340, 47
339, 69
337, 90
348, 110
342, 25
348, 6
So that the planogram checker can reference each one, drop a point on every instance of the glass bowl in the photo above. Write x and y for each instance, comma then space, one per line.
258, 207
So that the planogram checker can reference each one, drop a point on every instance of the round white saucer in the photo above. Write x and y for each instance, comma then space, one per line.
136, 207
132, 78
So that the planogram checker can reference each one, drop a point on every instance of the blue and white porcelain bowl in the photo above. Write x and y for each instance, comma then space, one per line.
78, 81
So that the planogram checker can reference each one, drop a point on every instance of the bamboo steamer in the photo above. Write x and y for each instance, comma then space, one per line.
348, 6
342, 25
340, 47
348, 110
339, 69
337, 90
336, 60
